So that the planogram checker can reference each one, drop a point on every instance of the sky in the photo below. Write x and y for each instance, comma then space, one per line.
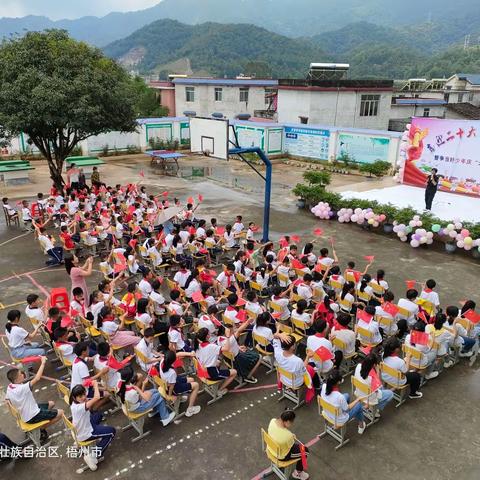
57, 9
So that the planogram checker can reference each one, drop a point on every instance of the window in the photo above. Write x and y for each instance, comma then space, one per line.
470, 97
303, 120
218, 94
269, 93
446, 97
190, 94
369, 105
426, 112
244, 94
460, 97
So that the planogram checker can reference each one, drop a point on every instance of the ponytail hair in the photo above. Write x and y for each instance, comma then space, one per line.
12, 316
333, 379
200, 337
366, 279
195, 273
127, 376
347, 287
168, 360
77, 391
104, 312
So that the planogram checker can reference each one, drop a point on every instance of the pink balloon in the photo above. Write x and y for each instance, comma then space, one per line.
465, 233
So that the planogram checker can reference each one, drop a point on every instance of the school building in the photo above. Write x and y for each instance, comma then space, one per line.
227, 97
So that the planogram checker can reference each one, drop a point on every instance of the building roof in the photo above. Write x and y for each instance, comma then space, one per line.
465, 110
320, 85
144, 121
473, 78
419, 101
160, 84
229, 82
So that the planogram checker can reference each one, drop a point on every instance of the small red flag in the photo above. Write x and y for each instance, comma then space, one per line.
277, 315
472, 316
220, 230
200, 197
165, 194
153, 372
201, 371
364, 316
283, 242
142, 173
369, 258
197, 297
303, 454
297, 264
119, 267
241, 302
295, 238
410, 284
190, 200
419, 338
421, 315
133, 242
324, 354
115, 364
33, 359
390, 308
241, 315
318, 232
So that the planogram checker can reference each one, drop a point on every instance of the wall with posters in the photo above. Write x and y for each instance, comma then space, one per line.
308, 142
265, 135
362, 148
450, 146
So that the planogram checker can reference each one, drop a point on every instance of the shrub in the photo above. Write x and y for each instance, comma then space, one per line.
322, 177
378, 168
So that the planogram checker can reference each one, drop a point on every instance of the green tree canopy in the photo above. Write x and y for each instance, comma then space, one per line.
148, 104
59, 92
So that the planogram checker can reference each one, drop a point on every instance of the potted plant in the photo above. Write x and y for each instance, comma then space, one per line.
314, 191
389, 211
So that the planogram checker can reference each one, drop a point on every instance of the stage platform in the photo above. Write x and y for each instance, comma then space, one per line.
446, 206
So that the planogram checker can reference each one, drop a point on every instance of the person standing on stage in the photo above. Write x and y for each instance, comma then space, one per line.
431, 188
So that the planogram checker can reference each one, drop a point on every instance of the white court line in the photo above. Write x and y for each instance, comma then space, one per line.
193, 435
14, 238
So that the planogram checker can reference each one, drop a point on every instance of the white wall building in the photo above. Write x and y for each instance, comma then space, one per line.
339, 103
229, 97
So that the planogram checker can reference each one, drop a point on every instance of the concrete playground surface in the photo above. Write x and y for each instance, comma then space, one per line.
436, 437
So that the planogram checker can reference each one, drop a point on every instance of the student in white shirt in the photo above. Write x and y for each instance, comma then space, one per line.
279, 298
157, 299
179, 385
229, 239
364, 287
34, 310
304, 289
331, 393
391, 357
381, 396
409, 305
469, 345
226, 280
380, 280
192, 285
175, 335
27, 216
442, 337
319, 340
19, 340
100, 362
181, 277
252, 306
146, 347
397, 327
208, 354
238, 226
372, 326
62, 343
429, 356
342, 331
21, 397
87, 424
210, 322
325, 260
144, 285
284, 349
429, 294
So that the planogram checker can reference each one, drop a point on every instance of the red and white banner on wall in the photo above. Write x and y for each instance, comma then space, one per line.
451, 146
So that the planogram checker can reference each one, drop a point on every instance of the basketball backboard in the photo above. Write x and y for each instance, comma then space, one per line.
209, 136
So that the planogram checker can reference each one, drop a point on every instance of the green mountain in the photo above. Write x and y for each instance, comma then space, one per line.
219, 49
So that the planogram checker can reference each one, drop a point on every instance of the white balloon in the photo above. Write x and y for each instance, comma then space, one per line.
414, 243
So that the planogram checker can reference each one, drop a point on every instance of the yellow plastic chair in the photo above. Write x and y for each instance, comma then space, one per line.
212, 387
174, 405
349, 360
16, 361
399, 391
32, 430
294, 394
136, 421
333, 427
260, 344
283, 469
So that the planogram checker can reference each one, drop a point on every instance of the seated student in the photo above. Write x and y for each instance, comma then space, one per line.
179, 385
133, 266
192, 285
46, 241
252, 304
299, 314
208, 355
110, 377
469, 345
391, 357
27, 217
21, 396
331, 393
442, 337
176, 342
380, 280
279, 298
409, 305
307, 252
245, 361
181, 277
429, 294
304, 289
87, 425
201, 232
289, 446
105, 266
284, 271
65, 340
226, 280
231, 311
118, 335
129, 300
11, 212
210, 322
342, 331
429, 354
467, 306
132, 390
348, 295
263, 275
399, 327
364, 287
334, 273
19, 340
152, 251
241, 265
380, 396
146, 347
238, 226
143, 313
157, 299
175, 306
262, 327
372, 326
284, 351
318, 340
325, 260
77, 303
144, 286
34, 308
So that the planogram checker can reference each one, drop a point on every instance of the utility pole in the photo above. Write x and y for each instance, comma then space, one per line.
466, 43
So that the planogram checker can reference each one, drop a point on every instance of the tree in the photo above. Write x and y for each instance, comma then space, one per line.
148, 104
59, 92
